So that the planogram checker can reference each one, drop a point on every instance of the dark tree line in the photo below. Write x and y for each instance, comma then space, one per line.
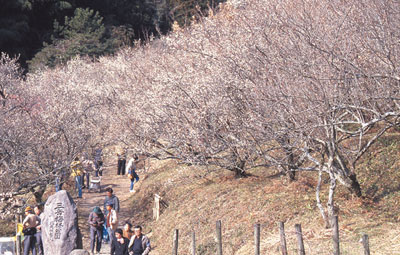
32, 29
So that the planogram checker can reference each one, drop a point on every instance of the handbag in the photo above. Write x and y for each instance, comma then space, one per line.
29, 231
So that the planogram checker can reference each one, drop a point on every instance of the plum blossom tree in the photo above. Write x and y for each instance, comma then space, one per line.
300, 85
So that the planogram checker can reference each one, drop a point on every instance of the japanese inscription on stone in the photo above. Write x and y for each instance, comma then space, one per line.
57, 224
60, 225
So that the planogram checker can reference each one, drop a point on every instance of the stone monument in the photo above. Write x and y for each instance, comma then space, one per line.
60, 232
79, 252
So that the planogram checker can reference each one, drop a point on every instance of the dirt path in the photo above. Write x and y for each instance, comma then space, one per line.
120, 184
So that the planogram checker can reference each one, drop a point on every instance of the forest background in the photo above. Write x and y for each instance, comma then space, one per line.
50, 32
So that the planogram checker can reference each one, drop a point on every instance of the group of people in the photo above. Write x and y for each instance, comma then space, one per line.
122, 241
81, 170
32, 231
103, 226
129, 169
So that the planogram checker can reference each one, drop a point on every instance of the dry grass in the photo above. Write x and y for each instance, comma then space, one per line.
198, 197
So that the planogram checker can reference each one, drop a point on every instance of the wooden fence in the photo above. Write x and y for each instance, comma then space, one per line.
283, 246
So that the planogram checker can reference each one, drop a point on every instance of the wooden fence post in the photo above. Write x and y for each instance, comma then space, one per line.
193, 243
336, 246
300, 239
19, 245
257, 238
16, 224
219, 237
156, 209
283, 238
175, 244
365, 242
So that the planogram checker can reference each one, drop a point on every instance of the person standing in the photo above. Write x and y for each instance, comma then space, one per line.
58, 184
98, 161
139, 243
96, 221
111, 198
60, 176
112, 222
38, 234
131, 171
121, 162
127, 231
30, 223
76, 172
120, 244
89, 167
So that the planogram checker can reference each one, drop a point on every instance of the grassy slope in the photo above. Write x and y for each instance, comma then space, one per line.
197, 197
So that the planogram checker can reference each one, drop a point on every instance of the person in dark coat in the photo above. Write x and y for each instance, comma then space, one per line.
98, 161
139, 243
111, 198
96, 221
121, 162
120, 244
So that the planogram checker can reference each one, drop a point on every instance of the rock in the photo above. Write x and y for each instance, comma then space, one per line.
79, 252
60, 232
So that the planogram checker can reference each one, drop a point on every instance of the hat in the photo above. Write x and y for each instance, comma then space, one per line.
97, 210
110, 204
118, 230
28, 209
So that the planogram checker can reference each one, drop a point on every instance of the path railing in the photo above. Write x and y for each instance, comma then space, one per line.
283, 246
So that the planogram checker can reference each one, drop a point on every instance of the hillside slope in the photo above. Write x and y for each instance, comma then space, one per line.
198, 197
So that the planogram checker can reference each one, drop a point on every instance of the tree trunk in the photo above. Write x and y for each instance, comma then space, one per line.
239, 169
291, 175
346, 177
355, 187
319, 203
290, 159
331, 198
38, 194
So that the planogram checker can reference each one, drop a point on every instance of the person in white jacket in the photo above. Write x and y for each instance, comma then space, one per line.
131, 172
111, 221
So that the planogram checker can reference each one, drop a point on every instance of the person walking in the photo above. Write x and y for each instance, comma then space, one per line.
112, 222
120, 244
76, 172
111, 198
121, 162
139, 243
38, 235
98, 161
30, 223
89, 167
131, 171
96, 221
